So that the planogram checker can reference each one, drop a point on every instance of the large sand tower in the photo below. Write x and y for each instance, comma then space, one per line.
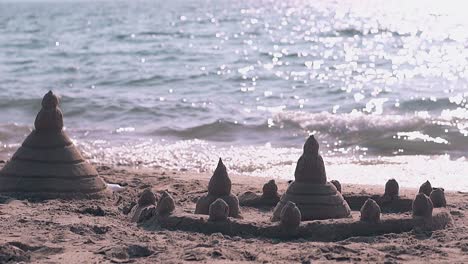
314, 196
48, 164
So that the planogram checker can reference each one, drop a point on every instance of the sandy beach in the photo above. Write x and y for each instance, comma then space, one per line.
99, 231
342, 124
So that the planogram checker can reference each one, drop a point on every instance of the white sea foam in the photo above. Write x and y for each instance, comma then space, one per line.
279, 163
416, 135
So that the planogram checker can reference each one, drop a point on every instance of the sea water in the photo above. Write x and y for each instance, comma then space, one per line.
176, 84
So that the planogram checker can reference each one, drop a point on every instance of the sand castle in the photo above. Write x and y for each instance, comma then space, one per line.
314, 195
315, 198
290, 225
309, 197
219, 187
48, 164
269, 197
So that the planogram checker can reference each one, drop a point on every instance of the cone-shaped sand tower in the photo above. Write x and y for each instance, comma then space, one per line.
48, 165
313, 195
219, 187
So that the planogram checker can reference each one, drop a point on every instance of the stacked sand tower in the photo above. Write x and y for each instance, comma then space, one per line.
48, 165
219, 187
313, 195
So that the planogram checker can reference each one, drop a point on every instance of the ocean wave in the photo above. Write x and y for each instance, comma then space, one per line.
354, 122
220, 131
350, 32
12, 133
428, 104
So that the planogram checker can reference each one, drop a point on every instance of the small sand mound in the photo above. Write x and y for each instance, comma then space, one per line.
370, 212
422, 206
219, 210
145, 207
269, 197
438, 198
166, 204
426, 188
290, 217
392, 190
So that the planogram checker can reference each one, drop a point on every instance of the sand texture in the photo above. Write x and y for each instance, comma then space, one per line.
101, 231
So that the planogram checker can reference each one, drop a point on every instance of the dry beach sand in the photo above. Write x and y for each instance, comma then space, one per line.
99, 231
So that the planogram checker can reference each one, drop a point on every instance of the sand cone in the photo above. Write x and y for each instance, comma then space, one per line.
315, 198
219, 187
48, 165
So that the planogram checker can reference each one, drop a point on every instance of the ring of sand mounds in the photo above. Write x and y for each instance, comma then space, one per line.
371, 219
389, 202
392, 202
48, 164
370, 223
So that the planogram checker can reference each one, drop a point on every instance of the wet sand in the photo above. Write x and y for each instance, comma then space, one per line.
99, 231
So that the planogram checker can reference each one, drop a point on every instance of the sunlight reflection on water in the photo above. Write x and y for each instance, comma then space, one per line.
371, 78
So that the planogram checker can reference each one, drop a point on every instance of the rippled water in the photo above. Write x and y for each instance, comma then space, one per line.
179, 83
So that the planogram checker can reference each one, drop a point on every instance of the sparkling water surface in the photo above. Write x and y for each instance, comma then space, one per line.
176, 84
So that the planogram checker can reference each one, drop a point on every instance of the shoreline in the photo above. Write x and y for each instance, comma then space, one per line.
409, 171
60, 231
